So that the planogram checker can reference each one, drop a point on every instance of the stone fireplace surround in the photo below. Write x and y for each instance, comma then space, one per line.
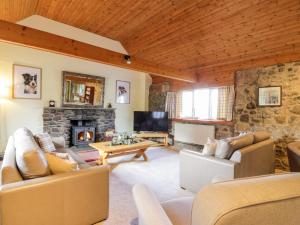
57, 121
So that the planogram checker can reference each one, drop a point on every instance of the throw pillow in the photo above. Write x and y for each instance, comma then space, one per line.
226, 147
223, 148
30, 159
209, 148
45, 142
60, 163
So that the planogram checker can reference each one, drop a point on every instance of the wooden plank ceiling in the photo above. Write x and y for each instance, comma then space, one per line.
210, 38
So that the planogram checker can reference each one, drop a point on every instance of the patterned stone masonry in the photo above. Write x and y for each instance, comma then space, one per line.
57, 121
157, 96
224, 131
284, 121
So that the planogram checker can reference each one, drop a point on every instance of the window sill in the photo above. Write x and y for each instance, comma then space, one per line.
205, 122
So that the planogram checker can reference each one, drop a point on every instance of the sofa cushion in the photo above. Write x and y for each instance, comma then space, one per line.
226, 147
223, 148
232, 202
9, 170
81, 163
179, 210
60, 163
241, 141
261, 136
209, 148
30, 159
45, 142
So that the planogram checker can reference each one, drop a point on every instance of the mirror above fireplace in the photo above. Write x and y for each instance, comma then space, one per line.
80, 90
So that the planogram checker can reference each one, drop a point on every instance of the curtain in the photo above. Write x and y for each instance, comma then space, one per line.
225, 103
171, 104
178, 104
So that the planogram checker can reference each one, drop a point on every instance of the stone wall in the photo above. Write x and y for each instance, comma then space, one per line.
223, 131
284, 121
157, 96
57, 121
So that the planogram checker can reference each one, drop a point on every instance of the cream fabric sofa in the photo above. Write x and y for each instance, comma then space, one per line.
72, 198
265, 200
197, 170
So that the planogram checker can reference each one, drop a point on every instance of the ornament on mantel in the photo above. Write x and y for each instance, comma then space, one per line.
109, 105
52, 103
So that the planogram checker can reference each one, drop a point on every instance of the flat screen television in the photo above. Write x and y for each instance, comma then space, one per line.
150, 121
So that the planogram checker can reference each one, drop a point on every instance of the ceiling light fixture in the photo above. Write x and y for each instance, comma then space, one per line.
127, 59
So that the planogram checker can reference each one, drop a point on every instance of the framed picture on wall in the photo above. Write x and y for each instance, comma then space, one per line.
122, 92
27, 82
269, 96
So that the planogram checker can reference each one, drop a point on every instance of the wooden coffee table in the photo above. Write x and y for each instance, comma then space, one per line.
107, 151
165, 136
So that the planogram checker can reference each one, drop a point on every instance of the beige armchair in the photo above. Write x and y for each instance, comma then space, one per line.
267, 200
197, 170
77, 197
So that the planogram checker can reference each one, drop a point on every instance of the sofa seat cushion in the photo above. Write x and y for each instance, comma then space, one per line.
82, 164
179, 210
30, 159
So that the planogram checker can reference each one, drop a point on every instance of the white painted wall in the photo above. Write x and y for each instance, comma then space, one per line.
64, 30
18, 113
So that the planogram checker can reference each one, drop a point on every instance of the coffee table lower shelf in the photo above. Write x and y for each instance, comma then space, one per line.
107, 151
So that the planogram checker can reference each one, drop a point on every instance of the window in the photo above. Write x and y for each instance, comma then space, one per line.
187, 104
207, 103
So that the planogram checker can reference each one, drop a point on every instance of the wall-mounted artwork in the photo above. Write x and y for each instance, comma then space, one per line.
27, 82
123, 92
269, 96
82, 90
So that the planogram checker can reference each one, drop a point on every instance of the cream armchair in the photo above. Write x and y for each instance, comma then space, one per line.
73, 198
197, 170
267, 200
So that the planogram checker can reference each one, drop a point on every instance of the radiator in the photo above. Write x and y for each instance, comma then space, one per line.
193, 133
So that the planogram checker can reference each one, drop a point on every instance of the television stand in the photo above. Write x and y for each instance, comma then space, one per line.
149, 134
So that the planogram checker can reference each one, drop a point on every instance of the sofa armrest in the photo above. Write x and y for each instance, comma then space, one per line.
257, 159
150, 211
9, 170
77, 197
196, 170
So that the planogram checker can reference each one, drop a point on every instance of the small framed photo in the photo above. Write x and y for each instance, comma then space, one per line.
123, 92
269, 96
27, 82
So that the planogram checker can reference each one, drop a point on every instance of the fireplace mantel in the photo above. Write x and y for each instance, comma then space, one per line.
57, 120
79, 108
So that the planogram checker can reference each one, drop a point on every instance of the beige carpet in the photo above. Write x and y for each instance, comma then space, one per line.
160, 174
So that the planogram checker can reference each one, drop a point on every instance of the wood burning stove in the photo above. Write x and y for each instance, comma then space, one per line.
83, 132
